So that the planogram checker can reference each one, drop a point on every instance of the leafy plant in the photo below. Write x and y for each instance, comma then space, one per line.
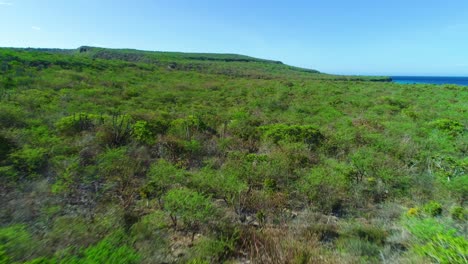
189, 206
433, 208
294, 133
449, 126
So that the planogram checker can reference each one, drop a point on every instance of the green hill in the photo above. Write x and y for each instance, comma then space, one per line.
127, 156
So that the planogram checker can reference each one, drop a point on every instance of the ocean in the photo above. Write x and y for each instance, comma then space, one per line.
430, 80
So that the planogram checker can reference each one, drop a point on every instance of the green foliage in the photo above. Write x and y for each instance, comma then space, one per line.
142, 132
445, 249
424, 229
116, 131
325, 186
16, 244
224, 184
29, 160
11, 116
369, 233
189, 206
96, 140
413, 212
78, 122
208, 250
449, 126
437, 241
433, 208
293, 133
6, 146
149, 225
186, 127
119, 172
161, 177
106, 251
459, 213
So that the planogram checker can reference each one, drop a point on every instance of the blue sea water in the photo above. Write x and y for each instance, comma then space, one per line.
430, 80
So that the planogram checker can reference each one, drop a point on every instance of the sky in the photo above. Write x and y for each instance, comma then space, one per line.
367, 37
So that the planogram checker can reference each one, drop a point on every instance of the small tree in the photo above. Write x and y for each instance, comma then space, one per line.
189, 206
119, 172
161, 177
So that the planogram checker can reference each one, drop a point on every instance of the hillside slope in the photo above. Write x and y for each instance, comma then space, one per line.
128, 156
227, 64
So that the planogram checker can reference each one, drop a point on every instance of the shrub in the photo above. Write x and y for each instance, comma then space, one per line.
449, 126
189, 206
75, 123
119, 172
223, 184
6, 147
11, 116
116, 131
142, 132
414, 211
244, 126
433, 208
149, 226
293, 133
16, 244
459, 188
458, 213
186, 127
8, 173
161, 177
68, 231
325, 186
29, 160
149, 237
208, 250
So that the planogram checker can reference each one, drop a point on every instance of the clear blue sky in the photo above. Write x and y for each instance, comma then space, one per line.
398, 37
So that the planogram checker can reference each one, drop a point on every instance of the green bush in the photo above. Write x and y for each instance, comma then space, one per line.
76, 123
413, 212
224, 183
186, 127
449, 126
208, 250
6, 146
8, 174
293, 133
11, 116
458, 213
29, 160
142, 132
161, 176
433, 208
189, 206
325, 186
161, 135
119, 174
16, 244
459, 188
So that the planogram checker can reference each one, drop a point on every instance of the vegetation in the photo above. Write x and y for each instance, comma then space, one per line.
124, 156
